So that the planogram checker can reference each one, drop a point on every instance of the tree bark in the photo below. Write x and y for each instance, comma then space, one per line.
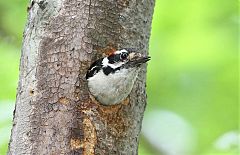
54, 112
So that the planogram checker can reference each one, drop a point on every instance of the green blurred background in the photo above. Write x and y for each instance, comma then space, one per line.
192, 80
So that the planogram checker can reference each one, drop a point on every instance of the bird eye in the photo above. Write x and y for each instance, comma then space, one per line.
124, 56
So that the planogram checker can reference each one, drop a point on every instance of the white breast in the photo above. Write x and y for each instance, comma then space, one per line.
113, 88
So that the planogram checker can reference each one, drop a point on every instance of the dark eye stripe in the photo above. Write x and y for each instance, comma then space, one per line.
114, 58
117, 57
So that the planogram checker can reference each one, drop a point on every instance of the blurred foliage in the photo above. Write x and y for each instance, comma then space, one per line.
193, 72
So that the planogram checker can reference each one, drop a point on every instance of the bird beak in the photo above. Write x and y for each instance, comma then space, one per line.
136, 59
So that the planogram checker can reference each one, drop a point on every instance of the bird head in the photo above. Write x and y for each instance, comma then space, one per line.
117, 60
125, 58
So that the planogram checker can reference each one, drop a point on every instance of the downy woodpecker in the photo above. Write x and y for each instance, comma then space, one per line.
110, 79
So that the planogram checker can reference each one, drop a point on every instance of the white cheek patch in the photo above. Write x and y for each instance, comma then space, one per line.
105, 62
116, 65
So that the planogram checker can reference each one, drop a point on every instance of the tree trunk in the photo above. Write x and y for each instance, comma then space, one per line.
54, 112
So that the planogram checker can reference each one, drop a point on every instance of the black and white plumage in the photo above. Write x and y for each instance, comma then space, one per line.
110, 79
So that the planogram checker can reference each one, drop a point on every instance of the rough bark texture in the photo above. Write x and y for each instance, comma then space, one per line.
54, 112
